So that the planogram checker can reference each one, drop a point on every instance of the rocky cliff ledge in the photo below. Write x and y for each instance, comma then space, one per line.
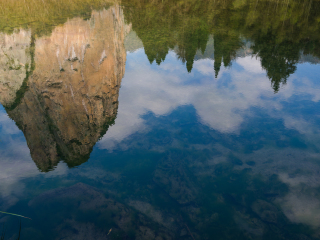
72, 94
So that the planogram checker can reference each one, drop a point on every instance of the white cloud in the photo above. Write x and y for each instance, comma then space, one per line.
251, 64
205, 67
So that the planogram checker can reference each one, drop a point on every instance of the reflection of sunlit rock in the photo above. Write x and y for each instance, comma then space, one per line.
14, 59
73, 91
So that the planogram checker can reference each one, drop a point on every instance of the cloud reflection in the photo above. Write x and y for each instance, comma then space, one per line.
16, 162
223, 104
220, 103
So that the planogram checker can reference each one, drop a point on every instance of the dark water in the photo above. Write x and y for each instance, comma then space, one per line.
161, 120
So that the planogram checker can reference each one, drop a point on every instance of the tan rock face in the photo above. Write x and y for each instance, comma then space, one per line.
14, 62
72, 94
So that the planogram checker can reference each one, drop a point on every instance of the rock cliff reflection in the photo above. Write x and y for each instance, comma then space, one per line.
62, 90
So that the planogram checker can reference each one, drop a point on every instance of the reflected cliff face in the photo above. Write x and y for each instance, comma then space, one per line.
62, 90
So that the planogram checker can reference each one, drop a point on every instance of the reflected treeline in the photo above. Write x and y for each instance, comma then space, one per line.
62, 90
281, 31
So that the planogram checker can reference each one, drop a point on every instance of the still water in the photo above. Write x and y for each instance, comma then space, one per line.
160, 119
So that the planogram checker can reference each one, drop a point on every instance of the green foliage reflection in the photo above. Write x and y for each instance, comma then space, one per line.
281, 31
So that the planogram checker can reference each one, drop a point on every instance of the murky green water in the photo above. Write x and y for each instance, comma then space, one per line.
160, 120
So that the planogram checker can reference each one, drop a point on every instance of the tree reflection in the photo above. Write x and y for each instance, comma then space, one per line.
280, 31
279, 60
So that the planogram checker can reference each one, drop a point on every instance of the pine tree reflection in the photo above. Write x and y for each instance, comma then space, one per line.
278, 39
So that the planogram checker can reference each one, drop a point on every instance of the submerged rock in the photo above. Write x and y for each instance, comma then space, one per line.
83, 212
266, 211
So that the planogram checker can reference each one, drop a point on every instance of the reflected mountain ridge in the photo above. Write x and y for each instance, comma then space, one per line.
68, 96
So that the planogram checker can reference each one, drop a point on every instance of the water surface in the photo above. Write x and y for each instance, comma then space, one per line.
160, 120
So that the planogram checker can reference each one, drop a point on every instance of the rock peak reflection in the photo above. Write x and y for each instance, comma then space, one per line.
71, 96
